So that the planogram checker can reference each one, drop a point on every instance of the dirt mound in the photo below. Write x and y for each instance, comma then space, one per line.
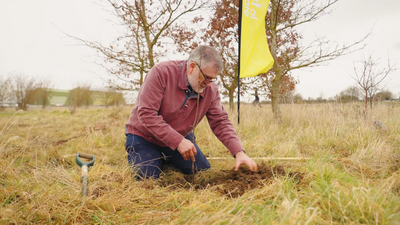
232, 183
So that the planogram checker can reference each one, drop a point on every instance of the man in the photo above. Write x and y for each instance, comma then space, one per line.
257, 100
173, 99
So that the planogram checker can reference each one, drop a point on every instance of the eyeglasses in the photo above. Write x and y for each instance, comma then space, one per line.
205, 78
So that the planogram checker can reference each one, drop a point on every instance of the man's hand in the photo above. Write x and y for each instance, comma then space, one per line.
242, 158
187, 150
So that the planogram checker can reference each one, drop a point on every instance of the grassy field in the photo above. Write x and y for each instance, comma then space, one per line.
351, 174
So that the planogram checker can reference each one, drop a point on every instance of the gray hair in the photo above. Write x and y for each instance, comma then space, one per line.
204, 56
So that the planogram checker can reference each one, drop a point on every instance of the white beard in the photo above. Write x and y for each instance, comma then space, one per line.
201, 89
194, 83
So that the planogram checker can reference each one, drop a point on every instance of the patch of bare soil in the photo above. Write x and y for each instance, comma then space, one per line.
232, 183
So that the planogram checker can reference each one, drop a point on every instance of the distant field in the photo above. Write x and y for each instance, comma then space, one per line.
343, 169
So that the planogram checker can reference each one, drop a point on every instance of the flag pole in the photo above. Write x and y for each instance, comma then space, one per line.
238, 78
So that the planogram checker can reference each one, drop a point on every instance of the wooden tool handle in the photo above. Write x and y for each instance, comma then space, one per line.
86, 156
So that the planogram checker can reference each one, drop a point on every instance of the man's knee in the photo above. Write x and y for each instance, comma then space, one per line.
144, 168
145, 172
143, 158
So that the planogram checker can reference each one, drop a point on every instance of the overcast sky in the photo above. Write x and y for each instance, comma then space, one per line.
349, 21
32, 42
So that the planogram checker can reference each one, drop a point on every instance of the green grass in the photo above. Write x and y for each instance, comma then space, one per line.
352, 175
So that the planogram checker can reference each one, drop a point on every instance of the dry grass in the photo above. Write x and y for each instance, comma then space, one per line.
353, 176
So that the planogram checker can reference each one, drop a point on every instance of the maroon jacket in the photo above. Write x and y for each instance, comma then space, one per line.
162, 117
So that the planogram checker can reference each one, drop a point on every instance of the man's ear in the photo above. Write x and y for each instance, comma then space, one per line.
192, 65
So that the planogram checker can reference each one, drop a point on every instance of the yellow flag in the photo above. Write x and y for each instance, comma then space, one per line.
255, 57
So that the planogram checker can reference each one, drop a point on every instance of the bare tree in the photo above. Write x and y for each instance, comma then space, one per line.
152, 29
384, 95
81, 95
291, 97
111, 96
106, 96
46, 86
284, 16
117, 99
369, 76
4, 91
23, 90
349, 94
43, 93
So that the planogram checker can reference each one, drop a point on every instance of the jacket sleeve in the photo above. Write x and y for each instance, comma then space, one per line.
150, 100
222, 127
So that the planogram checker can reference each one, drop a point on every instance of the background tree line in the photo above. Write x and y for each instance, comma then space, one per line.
348, 95
21, 91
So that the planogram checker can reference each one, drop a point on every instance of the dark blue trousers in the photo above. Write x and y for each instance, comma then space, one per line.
148, 159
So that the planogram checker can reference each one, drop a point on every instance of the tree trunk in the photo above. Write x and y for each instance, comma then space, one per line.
274, 89
151, 57
275, 99
366, 102
150, 43
141, 77
231, 100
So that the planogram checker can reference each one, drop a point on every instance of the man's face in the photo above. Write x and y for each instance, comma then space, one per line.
196, 76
